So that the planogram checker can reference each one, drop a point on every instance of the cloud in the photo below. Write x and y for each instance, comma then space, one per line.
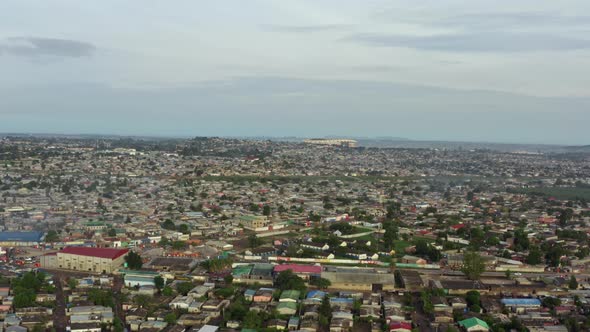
475, 42
305, 28
484, 31
503, 21
36, 46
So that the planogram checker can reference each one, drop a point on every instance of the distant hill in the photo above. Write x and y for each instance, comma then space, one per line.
577, 148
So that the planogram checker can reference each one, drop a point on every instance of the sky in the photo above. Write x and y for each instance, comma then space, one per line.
456, 70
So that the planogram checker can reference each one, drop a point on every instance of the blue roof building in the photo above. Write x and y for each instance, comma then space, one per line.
20, 238
512, 302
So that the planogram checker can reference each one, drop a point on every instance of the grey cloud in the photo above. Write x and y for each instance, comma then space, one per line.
475, 42
36, 46
305, 28
501, 21
487, 21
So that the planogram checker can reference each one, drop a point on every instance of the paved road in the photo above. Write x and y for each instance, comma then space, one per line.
117, 286
60, 319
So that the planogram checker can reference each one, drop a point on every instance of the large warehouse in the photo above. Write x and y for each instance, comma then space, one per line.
100, 260
20, 239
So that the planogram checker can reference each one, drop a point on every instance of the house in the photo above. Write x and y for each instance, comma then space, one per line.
458, 303
341, 325
521, 305
249, 295
315, 246
290, 296
263, 295
16, 328
293, 324
287, 308
474, 324
315, 296
302, 271
277, 324
400, 327
407, 259
262, 252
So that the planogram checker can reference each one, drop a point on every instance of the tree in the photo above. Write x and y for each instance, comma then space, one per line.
167, 291
112, 232
142, 300
253, 241
133, 260
321, 283
573, 283
252, 320
535, 256
473, 265
228, 279
168, 224
178, 245
288, 280
184, 229
325, 312
390, 235
184, 287
472, 298
266, 210
100, 297
159, 282
508, 274
51, 236
170, 318
72, 283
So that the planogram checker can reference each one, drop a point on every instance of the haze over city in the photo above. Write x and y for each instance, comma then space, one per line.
428, 70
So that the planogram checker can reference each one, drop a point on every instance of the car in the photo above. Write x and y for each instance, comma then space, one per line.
518, 274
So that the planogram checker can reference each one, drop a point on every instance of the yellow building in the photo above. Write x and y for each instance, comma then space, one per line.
99, 260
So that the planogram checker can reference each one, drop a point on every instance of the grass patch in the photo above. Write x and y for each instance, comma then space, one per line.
399, 247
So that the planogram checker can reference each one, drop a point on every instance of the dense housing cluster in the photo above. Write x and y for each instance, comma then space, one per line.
213, 234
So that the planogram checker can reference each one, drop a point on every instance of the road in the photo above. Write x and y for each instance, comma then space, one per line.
117, 286
60, 319
493, 274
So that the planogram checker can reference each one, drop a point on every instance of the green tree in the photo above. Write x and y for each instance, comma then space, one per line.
184, 229
253, 241
167, 291
133, 260
179, 245
473, 265
51, 236
252, 320
473, 298
325, 313
170, 318
321, 283
184, 287
72, 283
142, 300
573, 283
266, 210
159, 282
288, 280
100, 297
112, 232
535, 256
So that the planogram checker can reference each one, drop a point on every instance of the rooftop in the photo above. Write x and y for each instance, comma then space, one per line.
95, 252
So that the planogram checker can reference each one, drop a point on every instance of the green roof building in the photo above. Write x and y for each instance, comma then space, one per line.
290, 296
474, 324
